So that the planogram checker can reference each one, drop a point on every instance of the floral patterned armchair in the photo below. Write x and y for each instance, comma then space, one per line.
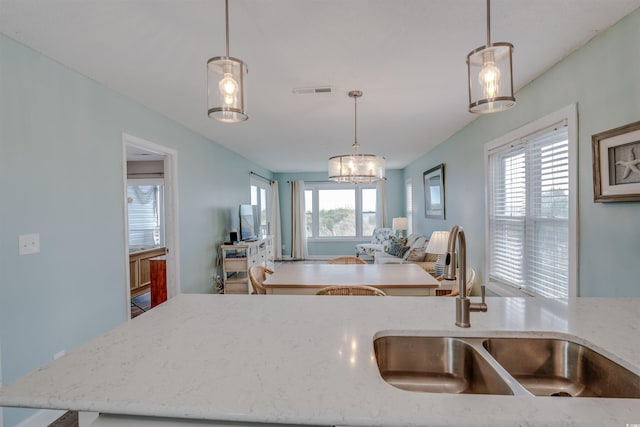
379, 242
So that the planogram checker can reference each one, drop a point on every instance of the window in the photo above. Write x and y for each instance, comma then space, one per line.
260, 197
145, 213
347, 211
531, 212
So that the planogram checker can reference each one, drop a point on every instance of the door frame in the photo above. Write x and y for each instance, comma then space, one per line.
172, 240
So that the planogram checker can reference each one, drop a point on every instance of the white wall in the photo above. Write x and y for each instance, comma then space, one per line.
603, 79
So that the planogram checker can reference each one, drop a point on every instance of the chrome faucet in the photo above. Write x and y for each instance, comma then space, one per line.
463, 305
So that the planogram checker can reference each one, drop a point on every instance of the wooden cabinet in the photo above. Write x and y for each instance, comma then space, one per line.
140, 270
238, 258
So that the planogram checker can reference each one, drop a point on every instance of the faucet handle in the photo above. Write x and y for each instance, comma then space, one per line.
483, 292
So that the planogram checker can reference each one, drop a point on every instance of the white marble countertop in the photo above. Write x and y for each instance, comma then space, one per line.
306, 359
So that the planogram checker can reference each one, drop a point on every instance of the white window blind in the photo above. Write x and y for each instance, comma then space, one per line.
145, 215
529, 213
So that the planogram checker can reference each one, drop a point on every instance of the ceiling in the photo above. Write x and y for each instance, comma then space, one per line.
407, 56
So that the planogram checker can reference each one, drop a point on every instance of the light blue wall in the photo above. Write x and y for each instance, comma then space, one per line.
603, 79
395, 208
61, 176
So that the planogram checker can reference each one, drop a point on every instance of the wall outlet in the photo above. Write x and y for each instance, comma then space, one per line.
28, 244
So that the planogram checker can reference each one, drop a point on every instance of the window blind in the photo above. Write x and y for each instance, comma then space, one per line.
529, 213
144, 215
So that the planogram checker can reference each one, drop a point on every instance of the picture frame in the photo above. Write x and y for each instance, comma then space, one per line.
434, 194
616, 164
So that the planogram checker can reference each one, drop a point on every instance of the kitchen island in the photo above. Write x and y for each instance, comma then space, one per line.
310, 360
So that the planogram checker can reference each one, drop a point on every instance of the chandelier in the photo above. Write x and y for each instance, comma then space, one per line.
356, 168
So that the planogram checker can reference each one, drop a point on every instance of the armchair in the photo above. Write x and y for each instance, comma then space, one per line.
379, 241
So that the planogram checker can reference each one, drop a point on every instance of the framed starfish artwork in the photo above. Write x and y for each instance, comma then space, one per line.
616, 164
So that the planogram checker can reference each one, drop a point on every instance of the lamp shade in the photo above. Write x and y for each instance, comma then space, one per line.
438, 242
400, 223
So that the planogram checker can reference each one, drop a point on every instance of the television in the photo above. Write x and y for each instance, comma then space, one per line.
249, 222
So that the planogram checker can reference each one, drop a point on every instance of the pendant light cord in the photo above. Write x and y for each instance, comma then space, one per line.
488, 24
226, 12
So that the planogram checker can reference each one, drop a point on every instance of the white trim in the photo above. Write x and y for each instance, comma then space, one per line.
43, 417
570, 114
171, 213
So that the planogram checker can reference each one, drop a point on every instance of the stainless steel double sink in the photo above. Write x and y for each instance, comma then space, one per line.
520, 366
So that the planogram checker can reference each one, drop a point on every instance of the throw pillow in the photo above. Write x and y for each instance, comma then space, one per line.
396, 249
399, 240
416, 255
431, 257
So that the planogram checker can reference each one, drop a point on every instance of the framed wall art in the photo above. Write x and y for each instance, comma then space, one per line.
616, 164
434, 192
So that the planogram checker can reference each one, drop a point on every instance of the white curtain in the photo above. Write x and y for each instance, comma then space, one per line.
274, 219
298, 221
381, 204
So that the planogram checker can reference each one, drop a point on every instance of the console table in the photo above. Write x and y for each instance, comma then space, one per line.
238, 258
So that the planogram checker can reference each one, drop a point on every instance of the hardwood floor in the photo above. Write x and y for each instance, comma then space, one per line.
140, 304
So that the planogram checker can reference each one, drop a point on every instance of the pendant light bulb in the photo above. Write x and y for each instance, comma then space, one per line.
228, 87
489, 77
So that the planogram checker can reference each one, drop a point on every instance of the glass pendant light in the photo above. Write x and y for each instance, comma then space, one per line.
356, 168
226, 84
490, 75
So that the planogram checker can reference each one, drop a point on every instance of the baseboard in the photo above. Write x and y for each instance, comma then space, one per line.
43, 417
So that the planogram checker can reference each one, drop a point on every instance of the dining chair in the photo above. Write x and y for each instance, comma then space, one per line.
357, 290
347, 260
257, 275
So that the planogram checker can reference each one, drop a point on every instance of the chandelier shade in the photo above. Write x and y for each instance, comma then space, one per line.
356, 168
226, 84
490, 75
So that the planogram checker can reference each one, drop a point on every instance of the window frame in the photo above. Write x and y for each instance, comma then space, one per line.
315, 187
569, 116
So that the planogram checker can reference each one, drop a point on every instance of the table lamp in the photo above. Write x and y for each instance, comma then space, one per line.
438, 245
400, 224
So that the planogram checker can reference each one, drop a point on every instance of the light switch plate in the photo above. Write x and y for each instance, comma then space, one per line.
29, 244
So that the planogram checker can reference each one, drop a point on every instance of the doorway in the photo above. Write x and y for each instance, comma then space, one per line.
150, 215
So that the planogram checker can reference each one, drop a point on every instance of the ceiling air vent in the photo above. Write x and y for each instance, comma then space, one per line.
305, 90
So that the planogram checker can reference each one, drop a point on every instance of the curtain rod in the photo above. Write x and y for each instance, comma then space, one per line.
260, 176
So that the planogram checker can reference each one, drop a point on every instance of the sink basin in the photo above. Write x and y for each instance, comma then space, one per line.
436, 365
557, 367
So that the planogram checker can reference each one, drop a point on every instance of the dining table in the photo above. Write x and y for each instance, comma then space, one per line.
299, 278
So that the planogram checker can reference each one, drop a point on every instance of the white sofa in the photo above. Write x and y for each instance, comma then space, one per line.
415, 252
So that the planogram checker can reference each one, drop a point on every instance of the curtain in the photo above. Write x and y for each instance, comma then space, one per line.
298, 221
274, 219
381, 204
